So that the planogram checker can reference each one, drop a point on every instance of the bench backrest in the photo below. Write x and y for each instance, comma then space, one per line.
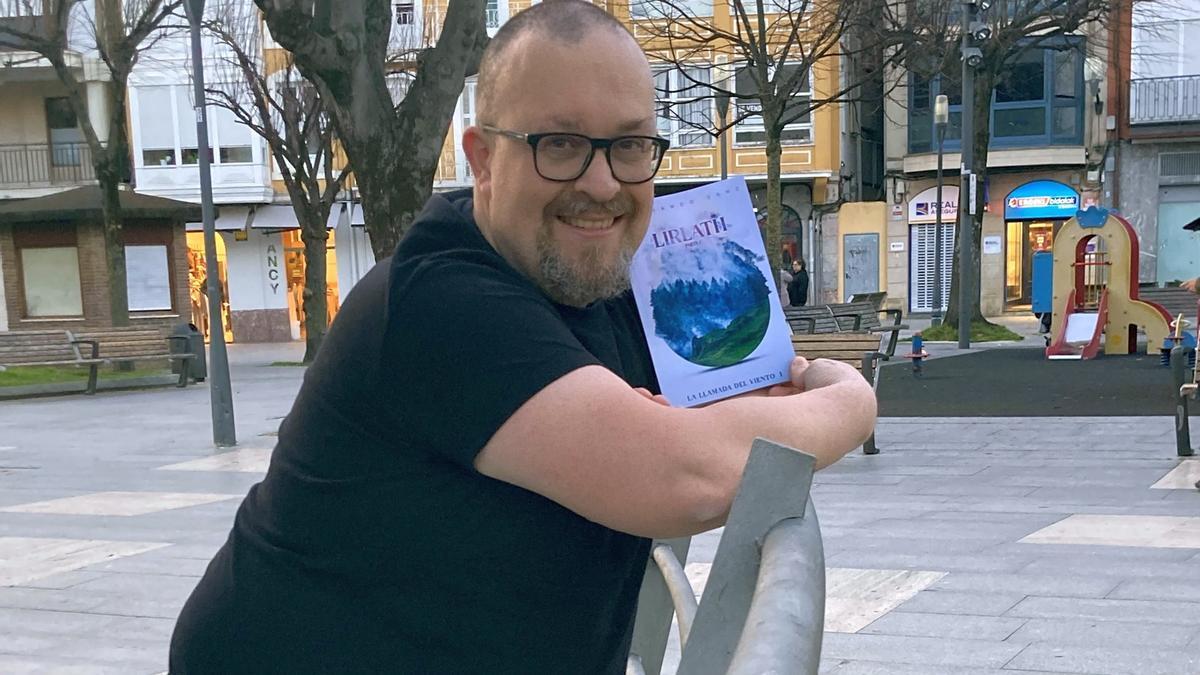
834, 318
846, 347
127, 342
20, 347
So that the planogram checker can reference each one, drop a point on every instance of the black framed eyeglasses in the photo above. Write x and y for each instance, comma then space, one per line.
563, 157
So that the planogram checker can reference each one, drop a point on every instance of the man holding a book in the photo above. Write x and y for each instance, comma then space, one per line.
470, 476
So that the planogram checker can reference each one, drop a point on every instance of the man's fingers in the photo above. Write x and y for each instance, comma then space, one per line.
657, 398
796, 372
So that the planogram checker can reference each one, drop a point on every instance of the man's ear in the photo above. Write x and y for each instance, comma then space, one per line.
479, 156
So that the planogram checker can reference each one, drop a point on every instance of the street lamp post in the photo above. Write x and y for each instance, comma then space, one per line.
219, 389
941, 116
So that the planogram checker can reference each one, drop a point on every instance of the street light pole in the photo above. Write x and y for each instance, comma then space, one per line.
219, 388
941, 116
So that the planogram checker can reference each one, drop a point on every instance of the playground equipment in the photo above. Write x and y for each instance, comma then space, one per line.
1095, 290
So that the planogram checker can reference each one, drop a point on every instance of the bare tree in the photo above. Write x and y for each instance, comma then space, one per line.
928, 34
118, 32
266, 92
344, 47
765, 63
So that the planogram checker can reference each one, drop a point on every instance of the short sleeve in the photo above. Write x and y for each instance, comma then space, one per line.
467, 345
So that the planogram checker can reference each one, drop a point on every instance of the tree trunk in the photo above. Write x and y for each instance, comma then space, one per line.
316, 310
984, 83
394, 185
771, 233
114, 241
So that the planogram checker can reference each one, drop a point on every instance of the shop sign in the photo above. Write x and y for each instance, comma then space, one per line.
923, 207
1041, 199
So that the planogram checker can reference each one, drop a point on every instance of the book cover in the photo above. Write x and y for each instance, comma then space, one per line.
707, 298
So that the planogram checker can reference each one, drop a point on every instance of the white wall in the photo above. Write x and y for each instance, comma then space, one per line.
3, 303
354, 257
257, 274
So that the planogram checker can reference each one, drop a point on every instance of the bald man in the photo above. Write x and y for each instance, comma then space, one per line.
470, 476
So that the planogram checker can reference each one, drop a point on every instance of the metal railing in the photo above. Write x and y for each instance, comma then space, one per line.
763, 608
37, 165
1155, 100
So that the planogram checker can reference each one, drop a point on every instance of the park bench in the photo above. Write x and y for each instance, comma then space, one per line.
47, 348
131, 344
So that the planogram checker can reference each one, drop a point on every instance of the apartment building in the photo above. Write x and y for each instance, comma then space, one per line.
1047, 147
52, 248
1153, 172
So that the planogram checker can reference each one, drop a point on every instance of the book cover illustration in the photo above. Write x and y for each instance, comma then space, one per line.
704, 291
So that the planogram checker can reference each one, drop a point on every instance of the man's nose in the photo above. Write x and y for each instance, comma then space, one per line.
598, 181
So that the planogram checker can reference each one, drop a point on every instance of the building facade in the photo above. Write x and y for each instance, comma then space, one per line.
1153, 177
1047, 146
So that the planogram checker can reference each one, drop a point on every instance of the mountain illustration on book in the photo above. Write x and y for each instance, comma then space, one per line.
712, 305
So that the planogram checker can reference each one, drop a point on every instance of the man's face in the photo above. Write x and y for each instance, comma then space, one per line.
574, 239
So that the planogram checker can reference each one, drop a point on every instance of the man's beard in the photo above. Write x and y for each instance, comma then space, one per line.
587, 278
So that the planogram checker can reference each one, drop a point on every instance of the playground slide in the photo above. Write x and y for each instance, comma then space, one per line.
1079, 337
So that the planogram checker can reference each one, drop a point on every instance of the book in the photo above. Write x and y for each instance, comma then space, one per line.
707, 297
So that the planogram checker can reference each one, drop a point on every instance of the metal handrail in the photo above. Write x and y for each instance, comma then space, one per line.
764, 605
46, 164
785, 625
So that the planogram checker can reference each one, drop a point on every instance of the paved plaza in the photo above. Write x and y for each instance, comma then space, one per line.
983, 546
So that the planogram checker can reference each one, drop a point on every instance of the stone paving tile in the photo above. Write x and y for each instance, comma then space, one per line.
1095, 609
119, 503
1142, 531
1091, 633
1182, 477
246, 460
24, 559
1065, 584
1184, 590
956, 626
955, 602
920, 651
883, 668
1108, 660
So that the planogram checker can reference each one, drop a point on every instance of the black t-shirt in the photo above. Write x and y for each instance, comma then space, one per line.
372, 544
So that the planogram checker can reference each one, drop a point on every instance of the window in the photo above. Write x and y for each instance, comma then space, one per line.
147, 278
493, 14
156, 122
1036, 102
1161, 48
797, 116
65, 134
655, 9
51, 281
467, 117
406, 13
685, 106
233, 139
185, 121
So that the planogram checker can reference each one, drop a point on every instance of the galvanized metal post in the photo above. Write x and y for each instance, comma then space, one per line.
1183, 434
219, 388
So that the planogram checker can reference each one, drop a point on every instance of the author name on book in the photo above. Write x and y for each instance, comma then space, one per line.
683, 235
748, 384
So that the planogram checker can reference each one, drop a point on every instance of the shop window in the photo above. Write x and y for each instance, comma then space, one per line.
50, 276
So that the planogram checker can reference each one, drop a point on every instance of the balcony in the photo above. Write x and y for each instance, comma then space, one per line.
1163, 100
41, 166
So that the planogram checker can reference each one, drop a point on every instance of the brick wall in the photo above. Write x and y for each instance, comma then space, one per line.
93, 278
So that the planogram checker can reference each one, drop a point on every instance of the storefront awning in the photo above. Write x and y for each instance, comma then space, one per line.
230, 218
280, 217
1041, 200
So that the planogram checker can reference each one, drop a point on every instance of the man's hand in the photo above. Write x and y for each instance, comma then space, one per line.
1191, 285
824, 372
